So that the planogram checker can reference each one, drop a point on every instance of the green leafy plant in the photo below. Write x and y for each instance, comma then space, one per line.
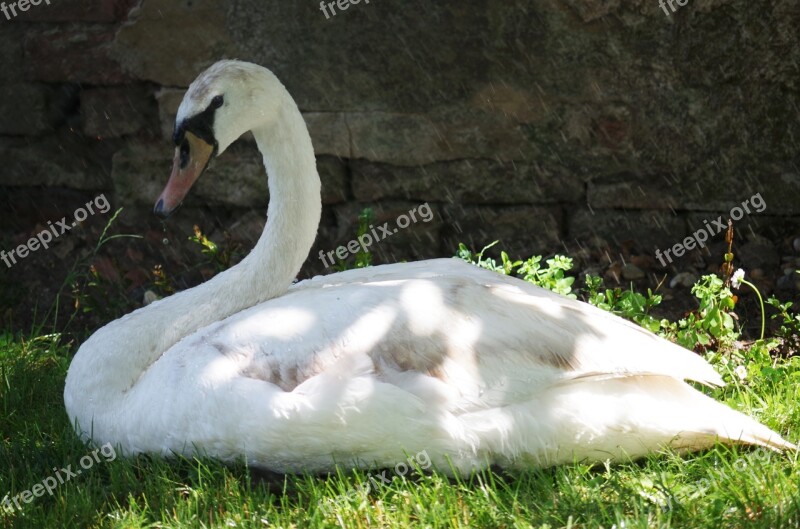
626, 303
788, 325
552, 277
714, 316
506, 267
363, 258
220, 257
712, 324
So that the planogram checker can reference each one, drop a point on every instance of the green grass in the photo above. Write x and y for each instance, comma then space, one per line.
723, 487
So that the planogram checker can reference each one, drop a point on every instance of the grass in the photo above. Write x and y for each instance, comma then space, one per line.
720, 488
723, 487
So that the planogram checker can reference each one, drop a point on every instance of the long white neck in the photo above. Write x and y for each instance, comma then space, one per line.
115, 357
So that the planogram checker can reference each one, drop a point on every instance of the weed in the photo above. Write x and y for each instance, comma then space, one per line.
788, 326
220, 257
626, 303
712, 326
88, 289
736, 281
161, 282
552, 277
363, 256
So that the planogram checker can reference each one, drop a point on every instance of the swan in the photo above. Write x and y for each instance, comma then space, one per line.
366, 366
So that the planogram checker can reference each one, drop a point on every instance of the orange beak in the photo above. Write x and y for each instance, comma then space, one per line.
191, 159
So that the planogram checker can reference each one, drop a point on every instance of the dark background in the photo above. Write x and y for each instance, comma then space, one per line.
600, 129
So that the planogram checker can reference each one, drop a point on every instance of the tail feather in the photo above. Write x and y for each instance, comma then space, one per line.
629, 417
724, 424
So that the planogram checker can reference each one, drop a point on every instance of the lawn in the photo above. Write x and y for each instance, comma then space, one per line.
58, 482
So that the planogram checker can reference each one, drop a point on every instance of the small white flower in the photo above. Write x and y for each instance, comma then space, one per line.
741, 372
736, 280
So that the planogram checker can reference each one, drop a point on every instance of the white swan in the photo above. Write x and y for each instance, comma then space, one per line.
367, 366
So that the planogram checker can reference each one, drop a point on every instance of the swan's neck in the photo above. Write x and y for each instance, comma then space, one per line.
293, 216
115, 357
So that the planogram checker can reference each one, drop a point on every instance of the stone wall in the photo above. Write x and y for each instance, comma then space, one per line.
548, 124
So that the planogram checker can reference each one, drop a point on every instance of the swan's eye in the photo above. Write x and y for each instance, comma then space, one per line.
217, 101
184, 154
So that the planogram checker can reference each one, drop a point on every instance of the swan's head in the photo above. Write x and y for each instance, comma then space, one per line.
224, 102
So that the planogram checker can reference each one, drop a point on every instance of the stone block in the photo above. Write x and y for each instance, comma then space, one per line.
522, 231
333, 174
64, 159
116, 111
106, 11
468, 182
394, 60
11, 54
329, 133
419, 139
186, 37
632, 191
78, 54
28, 109
646, 229
779, 190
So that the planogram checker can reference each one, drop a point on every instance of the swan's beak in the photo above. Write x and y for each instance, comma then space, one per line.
186, 169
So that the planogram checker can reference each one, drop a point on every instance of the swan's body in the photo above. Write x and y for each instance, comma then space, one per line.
367, 366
